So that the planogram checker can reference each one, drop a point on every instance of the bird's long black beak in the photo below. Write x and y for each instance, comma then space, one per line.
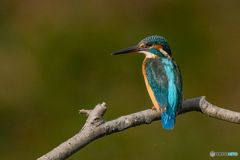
128, 50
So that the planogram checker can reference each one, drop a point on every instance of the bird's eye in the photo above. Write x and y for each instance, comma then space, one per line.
149, 44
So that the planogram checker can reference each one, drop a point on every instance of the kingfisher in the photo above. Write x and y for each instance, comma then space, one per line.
162, 77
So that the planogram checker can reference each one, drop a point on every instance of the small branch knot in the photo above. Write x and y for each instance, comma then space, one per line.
203, 102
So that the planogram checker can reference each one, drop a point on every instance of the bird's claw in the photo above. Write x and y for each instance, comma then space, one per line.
154, 108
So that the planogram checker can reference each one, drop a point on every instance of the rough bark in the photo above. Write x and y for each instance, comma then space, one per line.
96, 127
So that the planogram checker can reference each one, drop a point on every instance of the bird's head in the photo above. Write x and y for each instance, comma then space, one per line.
152, 47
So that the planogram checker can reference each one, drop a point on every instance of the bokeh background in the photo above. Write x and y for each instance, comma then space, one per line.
55, 59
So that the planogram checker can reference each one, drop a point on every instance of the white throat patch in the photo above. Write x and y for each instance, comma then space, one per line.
148, 54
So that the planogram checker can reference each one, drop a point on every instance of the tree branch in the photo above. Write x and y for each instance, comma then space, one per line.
96, 127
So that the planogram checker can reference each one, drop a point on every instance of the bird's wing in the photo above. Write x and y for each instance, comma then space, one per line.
158, 80
178, 81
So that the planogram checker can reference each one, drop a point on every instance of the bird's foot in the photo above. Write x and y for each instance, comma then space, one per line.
154, 108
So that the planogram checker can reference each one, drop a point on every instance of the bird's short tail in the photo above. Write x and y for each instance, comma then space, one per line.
168, 121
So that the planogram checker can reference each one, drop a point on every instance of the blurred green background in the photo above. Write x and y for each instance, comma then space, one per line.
55, 59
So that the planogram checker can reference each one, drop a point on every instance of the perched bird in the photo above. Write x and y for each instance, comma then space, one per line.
162, 77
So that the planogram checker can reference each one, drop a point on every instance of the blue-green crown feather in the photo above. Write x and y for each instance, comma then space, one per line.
158, 40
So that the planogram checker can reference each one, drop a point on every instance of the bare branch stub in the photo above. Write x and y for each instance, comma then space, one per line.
86, 112
89, 132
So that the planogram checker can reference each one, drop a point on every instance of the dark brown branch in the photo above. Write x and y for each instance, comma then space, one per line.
96, 127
